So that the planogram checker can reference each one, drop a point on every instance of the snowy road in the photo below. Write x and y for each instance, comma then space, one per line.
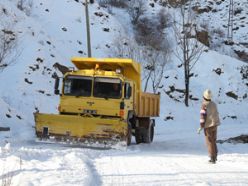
152, 164
173, 169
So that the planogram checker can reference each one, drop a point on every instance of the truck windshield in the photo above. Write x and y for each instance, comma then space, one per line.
107, 88
78, 86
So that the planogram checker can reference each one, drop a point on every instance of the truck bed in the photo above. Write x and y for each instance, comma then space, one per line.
148, 105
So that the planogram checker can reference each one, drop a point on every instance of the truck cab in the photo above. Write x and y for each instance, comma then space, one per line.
90, 92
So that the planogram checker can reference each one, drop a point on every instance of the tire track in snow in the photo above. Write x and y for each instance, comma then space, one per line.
95, 176
43, 164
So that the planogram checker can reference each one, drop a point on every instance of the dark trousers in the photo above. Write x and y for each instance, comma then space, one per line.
210, 136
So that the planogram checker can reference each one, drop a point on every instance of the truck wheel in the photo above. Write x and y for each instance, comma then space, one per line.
129, 130
129, 135
152, 133
138, 136
147, 135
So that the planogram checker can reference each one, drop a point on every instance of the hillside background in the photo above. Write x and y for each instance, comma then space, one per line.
44, 33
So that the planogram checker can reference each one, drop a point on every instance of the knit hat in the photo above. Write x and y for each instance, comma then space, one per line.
207, 94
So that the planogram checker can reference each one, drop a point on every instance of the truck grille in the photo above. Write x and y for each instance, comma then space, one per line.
86, 111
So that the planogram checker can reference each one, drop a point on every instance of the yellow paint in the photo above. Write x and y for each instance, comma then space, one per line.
109, 120
80, 127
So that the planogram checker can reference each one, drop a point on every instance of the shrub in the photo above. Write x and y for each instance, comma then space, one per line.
25, 6
219, 32
115, 3
164, 18
136, 10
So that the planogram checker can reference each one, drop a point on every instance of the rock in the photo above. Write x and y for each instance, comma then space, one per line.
4, 129
242, 55
168, 118
238, 11
64, 29
244, 72
203, 37
179, 66
239, 139
175, 3
201, 10
41, 91
39, 60
193, 98
218, 71
63, 69
99, 14
27, 81
9, 32
106, 29
152, 5
245, 96
232, 95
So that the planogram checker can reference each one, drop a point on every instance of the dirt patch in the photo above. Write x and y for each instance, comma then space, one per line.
239, 139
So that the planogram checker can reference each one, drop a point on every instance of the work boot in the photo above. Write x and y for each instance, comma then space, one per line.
215, 158
212, 160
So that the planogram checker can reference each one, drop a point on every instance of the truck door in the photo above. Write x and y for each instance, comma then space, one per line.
128, 96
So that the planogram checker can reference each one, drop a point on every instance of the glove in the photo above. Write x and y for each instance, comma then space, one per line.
199, 130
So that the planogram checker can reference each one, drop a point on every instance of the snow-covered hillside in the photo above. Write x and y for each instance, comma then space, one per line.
54, 31
213, 17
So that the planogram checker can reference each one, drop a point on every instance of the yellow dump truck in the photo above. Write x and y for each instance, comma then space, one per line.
101, 101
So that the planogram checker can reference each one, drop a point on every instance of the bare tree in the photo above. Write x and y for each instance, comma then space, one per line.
153, 60
189, 49
136, 9
125, 47
154, 67
8, 44
159, 68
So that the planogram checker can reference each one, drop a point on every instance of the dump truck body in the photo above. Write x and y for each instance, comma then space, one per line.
102, 100
148, 105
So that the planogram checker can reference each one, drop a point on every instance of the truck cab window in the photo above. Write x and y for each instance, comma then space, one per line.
107, 88
128, 90
77, 86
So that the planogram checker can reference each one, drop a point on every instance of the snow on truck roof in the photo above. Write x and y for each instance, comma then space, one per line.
111, 63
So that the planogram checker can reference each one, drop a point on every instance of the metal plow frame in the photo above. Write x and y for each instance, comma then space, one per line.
77, 130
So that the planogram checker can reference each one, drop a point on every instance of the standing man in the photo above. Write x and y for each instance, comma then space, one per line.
209, 121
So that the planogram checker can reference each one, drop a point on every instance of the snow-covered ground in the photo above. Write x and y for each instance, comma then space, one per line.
175, 157
54, 32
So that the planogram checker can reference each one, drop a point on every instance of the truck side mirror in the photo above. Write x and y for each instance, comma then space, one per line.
56, 86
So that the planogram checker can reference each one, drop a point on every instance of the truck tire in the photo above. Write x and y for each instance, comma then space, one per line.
129, 135
147, 135
152, 133
129, 129
138, 136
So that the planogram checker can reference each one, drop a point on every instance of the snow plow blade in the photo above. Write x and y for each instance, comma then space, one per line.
79, 129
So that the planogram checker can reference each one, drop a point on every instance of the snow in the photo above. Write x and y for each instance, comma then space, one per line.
178, 155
